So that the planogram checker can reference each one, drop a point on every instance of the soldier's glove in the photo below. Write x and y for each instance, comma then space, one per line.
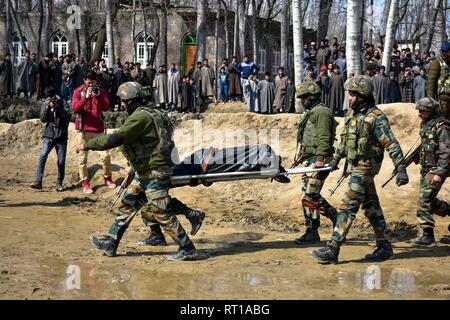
402, 178
333, 164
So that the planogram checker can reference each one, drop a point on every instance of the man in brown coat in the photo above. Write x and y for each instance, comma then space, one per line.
281, 83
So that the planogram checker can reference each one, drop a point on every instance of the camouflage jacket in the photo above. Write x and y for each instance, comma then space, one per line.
435, 148
439, 80
366, 135
146, 138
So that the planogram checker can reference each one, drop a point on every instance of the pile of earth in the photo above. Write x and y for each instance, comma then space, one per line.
269, 204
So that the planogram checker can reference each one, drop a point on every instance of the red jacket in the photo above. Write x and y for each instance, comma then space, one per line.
91, 109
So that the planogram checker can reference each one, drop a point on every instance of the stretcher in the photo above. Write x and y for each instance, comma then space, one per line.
207, 166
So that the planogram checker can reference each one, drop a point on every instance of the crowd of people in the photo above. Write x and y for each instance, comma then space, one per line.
236, 81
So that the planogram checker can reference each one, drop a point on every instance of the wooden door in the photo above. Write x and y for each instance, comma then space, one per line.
190, 57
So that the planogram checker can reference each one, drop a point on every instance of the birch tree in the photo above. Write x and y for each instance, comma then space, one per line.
236, 30
389, 40
242, 26
284, 33
353, 40
297, 22
253, 26
109, 33
202, 20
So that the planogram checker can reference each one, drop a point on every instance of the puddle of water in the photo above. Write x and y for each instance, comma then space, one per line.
103, 281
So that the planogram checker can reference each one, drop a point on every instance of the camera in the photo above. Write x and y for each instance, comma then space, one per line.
95, 89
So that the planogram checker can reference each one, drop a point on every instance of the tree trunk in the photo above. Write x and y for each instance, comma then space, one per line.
202, 21
41, 25
242, 27
99, 45
324, 16
353, 42
144, 18
13, 12
109, 33
298, 44
47, 19
284, 33
163, 32
216, 45
389, 41
236, 32
253, 24
370, 33
432, 25
133, 29
227, 35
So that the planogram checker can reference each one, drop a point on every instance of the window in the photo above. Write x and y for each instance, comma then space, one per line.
105, 50
262, 60
276, 61
18, 50
144, 55
60, 45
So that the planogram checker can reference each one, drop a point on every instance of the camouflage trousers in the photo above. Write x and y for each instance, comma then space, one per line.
428, 203
313, 203
362, 193
158, 209
445, 108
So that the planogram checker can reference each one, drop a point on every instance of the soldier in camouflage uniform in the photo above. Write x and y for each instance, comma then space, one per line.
438, 84
146, 138
315, 138
366, 135
434, 160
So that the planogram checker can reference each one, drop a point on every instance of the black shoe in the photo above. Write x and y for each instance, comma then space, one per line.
59, 187
282, 179
107, 244
445, 239
196, 218
36, 185
382, 252
184, 255
426, 239
154, 239
326, 255
310, 236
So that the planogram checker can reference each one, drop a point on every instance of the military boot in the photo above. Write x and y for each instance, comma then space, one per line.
445, 239
326, 255
154, 239
426, 239
189, 253
107, 244
382, 252
195, 218
310, 236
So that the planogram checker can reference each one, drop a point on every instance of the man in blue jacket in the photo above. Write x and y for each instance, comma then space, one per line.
246, 68
57, 120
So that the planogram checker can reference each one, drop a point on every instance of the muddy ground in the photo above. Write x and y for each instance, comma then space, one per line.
246, 242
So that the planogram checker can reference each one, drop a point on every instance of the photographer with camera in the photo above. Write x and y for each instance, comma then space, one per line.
57, 120
88, 103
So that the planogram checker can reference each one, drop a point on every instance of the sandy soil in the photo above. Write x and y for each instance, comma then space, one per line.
246, 242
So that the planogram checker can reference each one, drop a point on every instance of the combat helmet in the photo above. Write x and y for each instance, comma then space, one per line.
130, 90
307, 88
361, 84
426, 104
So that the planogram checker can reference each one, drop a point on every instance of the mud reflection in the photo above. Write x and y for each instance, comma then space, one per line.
374, 278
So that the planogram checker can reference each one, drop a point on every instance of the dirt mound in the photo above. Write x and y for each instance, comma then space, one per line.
272, 205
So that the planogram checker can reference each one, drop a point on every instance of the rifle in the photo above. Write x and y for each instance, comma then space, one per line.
297, 162
341, 179
413, 157
123, 186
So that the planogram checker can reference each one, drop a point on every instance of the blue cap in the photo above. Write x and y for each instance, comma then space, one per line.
445, 47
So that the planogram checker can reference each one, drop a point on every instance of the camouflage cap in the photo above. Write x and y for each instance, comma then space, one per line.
426, 104
307, 88
130, 90
361, 84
